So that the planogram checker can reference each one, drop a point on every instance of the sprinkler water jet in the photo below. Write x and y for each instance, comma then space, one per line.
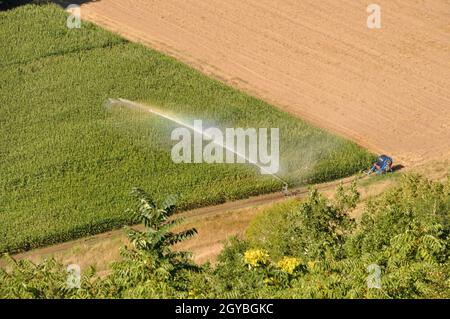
145, 108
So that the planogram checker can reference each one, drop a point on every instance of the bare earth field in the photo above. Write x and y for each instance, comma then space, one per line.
386, 89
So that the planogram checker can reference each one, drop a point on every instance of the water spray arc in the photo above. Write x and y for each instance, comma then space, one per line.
145, 108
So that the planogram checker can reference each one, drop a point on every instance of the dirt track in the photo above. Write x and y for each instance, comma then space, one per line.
387, 89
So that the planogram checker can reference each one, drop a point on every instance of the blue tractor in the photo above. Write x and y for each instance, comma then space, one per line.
382, 165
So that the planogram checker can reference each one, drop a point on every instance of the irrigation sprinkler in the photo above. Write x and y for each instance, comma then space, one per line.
146, 108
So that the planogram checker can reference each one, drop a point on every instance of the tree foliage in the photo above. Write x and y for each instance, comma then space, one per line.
400, 249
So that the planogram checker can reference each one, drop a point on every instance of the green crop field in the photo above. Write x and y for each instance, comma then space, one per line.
67, 163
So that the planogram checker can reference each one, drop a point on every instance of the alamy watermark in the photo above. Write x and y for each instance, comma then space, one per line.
73, 276
234, 145
74, 18
374, 277
374, 19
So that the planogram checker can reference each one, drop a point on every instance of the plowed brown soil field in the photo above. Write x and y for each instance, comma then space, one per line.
387, 89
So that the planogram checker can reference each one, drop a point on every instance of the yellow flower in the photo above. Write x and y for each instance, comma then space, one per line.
288, 264
193, 294
256, 257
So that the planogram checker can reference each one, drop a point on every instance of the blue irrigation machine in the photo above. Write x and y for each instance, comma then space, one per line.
382, 165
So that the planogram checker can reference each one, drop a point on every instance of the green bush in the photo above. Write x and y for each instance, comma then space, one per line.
308, 229
405, 233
